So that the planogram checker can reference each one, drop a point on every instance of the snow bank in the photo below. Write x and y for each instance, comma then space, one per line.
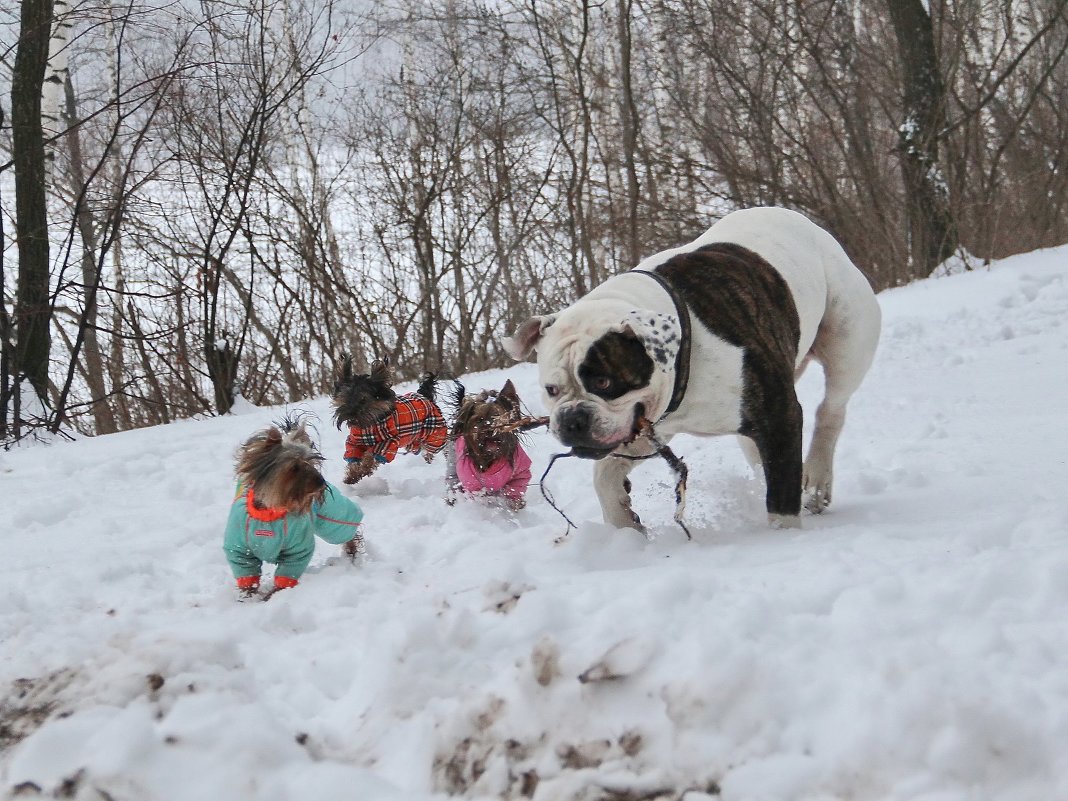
910, 644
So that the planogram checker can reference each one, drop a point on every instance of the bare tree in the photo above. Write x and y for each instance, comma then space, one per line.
932, 229
234, 208
32, 313
222, 121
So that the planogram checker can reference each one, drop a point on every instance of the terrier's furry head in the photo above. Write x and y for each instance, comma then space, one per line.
281, 465
480, 422
363, 399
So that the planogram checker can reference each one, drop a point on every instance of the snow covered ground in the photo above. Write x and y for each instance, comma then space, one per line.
911, 644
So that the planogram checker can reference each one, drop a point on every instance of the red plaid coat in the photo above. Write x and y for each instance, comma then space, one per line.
416, 423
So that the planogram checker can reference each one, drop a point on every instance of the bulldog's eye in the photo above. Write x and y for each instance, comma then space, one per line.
602, 383
552, 390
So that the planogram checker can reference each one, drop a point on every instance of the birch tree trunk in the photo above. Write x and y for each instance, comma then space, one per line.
114, 170
56, 76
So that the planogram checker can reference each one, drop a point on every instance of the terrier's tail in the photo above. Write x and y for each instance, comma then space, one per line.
428, 386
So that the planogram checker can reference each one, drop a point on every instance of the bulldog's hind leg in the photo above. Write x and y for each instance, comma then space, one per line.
845, 349
613, 487
778, 438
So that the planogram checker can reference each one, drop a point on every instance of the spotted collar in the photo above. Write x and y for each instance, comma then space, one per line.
682, 356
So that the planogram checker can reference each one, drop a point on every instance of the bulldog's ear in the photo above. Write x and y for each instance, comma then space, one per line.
525, 339
660, 334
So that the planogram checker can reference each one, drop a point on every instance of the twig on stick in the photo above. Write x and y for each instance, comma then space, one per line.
548, 495
678, 467
522, 424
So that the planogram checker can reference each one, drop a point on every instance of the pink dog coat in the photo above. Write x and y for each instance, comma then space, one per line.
501, 478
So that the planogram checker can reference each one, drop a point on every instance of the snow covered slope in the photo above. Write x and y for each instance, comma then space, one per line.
910, 644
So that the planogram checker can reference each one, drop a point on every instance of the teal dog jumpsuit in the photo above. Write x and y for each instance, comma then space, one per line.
254, 535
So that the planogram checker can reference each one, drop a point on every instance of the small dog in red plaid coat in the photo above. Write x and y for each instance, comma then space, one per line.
382, 422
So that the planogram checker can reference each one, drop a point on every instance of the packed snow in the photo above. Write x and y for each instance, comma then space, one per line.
911, 644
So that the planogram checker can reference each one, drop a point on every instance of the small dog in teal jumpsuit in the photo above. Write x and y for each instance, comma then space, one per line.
282, 504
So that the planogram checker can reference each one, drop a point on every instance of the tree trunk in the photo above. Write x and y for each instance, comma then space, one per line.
221, 360
931, 229
32, 308
56, 75
6, 334
629, 115
94, 371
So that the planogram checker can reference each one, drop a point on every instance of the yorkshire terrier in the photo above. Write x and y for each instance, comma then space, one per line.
283, 503
490, 459
381, 422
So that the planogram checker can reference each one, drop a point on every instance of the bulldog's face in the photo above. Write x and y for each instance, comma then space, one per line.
600, 372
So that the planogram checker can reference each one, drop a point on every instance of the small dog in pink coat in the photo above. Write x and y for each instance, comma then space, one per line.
489, 457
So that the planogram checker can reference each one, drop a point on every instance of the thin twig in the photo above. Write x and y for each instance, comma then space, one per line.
678, 467
548, 495
522, 424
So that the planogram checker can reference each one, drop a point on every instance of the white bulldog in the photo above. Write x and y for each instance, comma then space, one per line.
709, 339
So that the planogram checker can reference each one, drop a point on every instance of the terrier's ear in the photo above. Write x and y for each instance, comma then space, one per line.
463, 419
508, 396
381, 371
346, 368
525, 339
298, 432
274, 437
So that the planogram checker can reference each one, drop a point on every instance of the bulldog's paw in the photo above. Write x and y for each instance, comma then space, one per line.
816, 485
783, 521
622, 516
816, 500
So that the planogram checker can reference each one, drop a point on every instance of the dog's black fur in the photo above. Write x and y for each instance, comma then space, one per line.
479, 421
363, 399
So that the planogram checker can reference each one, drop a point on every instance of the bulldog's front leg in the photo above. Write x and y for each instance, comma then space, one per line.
613, 491
613, 487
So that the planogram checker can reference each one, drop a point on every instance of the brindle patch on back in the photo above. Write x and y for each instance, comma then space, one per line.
615, 364
740, 298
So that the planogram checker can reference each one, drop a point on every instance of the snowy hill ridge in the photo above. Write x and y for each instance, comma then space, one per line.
911, 644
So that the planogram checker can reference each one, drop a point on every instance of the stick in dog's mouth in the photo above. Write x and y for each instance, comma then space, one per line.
591, 452
640, 423
642, 427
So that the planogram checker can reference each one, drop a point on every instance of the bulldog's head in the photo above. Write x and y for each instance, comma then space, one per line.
602, 367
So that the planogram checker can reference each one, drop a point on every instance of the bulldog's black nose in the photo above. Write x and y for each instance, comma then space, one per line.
575, 425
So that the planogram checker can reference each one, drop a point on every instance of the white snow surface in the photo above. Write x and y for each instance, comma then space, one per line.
910, 644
